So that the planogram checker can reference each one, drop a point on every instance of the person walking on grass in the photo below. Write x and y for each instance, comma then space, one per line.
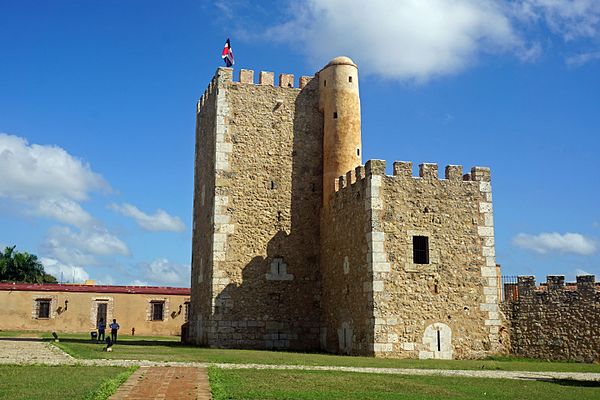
114, 327
101, 329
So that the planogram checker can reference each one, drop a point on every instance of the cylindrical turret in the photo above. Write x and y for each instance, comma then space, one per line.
340, 104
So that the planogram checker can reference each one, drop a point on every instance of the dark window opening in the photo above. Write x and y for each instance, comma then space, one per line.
420, 249
358, 152
278, 215
335, 115
158, 308
324, 83
345, 339
273, 185
436, 290
350, 79
43, 308
439, 341
101, 313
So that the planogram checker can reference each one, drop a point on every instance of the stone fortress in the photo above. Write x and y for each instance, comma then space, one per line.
297, 245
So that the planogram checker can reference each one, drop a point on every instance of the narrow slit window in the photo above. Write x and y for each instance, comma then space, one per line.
350, 79
420, 249
335, 115
439, 341
324, 83
358, 152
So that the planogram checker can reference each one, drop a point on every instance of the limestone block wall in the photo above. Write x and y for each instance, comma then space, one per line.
556, 321
347, 301
210, 129
447, 307
264, 281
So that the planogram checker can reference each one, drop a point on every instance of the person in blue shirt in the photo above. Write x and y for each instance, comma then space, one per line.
101, 329
114, 327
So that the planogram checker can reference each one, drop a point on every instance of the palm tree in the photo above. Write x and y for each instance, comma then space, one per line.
22, 267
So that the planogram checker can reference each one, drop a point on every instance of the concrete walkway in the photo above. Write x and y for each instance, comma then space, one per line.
18, 352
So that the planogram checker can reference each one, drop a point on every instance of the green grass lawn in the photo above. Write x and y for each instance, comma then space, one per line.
60, 382
9, 334
271, 384
169, 349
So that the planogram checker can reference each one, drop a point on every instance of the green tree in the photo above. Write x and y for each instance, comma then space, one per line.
22, 267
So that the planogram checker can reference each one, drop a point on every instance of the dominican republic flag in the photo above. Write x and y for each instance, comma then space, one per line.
227, 54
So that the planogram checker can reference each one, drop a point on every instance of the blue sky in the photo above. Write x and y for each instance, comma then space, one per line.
97, 104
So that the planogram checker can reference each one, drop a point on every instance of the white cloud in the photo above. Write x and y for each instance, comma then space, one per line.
46, 180
137, 282
580, 59
80, 248
417, 40
580, 271
402, 39
555, 242
68, 273
63, 210
571, 19
163, 272
159, 221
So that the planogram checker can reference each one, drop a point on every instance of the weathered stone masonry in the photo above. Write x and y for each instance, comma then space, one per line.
279, 264
556, 321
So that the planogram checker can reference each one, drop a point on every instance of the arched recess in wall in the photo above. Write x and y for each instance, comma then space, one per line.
437, 342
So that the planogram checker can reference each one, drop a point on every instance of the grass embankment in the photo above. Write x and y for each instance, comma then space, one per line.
60, 382
155, 349
271, 384
9, 334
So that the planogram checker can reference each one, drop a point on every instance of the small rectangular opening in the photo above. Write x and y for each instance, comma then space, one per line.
420, 249
324, 83
358, 152
158, 310
43, 308
335, 115
350, 79
439, 341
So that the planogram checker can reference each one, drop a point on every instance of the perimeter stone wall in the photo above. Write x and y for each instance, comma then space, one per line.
556, 321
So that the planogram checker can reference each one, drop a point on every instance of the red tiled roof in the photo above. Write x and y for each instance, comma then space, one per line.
57, 287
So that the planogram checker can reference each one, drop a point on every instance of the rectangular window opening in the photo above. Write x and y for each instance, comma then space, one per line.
335, 115
43, 308
439, 341
350, 79
420, 249
158, 308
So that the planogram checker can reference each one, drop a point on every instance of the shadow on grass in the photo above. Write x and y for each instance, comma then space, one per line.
569, 382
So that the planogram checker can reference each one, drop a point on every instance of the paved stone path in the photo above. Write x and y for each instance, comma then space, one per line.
32, 351
20, 352
168, 383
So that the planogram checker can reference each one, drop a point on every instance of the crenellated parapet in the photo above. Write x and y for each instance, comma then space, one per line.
246, 76
404, 170
585, 285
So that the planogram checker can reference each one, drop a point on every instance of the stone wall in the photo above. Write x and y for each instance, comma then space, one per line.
347, 301
205, 175
556, 321
264, 278
448, 307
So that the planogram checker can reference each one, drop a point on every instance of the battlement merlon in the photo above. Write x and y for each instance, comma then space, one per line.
585, 284
403, 169
246, 76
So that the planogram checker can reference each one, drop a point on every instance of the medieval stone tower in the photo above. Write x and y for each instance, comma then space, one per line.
297, 245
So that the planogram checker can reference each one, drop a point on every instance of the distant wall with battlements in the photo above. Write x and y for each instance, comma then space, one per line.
556, 321
263, 283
